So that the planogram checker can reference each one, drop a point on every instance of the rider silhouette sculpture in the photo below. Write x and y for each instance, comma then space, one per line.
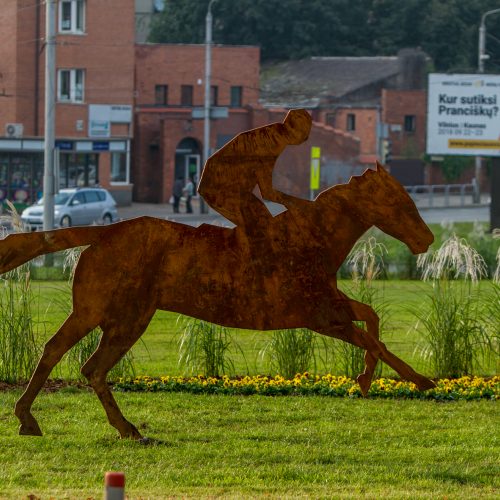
230, 177
267, 273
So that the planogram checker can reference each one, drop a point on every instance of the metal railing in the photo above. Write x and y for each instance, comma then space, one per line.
444, 195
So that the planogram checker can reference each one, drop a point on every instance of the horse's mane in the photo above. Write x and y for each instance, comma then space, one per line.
353, 185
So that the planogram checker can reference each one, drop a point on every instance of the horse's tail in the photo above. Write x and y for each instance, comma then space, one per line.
18, 248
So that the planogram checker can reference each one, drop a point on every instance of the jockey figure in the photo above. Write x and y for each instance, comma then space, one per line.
229, 180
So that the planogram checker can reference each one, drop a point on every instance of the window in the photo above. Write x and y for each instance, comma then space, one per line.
236, 97
351, 122
186, 95
214, 95
161, 95
91, 196
119, 170
70, 85
410, 123
330, 119
72, 16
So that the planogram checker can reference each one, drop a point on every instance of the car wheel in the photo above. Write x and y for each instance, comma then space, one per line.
66, 221
107, 219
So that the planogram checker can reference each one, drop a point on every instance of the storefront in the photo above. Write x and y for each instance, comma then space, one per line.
78, 163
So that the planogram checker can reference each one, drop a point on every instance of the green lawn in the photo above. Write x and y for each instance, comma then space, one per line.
228, 446
156, 353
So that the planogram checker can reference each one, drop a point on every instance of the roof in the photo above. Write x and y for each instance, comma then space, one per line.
306, 82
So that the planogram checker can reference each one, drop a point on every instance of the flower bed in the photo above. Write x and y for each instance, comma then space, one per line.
465, 388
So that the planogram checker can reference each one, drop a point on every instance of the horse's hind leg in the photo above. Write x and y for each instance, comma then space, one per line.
71, 331
114, 344
363, 312
378, 349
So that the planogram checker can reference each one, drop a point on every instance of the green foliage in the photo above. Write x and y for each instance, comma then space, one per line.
445, 29
453, 166
19, 348
291, 351
204, 348
457, 340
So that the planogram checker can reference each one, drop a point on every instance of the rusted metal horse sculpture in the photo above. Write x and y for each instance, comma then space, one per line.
266, 273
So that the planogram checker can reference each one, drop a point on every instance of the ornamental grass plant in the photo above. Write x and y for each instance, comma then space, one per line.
19, 349
293, 351
204, 348
366, 262
457, 340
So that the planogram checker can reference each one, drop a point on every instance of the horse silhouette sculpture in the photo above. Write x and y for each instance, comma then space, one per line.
268, 272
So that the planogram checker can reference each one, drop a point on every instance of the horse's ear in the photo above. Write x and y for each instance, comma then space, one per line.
381, 169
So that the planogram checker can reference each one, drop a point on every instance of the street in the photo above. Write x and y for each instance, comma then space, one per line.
471, 213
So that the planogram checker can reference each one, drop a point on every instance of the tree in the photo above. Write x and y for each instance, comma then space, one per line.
446, 29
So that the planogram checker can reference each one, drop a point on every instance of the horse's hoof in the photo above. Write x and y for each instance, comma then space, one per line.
30, 430
425, 384
365, 382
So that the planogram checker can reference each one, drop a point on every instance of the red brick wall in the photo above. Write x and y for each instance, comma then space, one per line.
154, 167
366, 126
10, 95
105, 51
395, 105
176, 65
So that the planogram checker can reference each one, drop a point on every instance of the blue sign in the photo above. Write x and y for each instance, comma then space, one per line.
100, 146
64, 145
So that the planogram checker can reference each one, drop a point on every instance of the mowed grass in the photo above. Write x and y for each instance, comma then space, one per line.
227, 446
157, 354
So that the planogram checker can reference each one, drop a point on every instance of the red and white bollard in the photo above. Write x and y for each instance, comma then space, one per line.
114, 486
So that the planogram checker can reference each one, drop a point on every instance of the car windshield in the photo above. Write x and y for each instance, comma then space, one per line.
59, 199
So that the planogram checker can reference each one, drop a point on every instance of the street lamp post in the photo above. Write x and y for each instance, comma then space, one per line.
482, 56
208, 71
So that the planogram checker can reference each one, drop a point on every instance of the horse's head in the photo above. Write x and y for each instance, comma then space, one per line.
387, 205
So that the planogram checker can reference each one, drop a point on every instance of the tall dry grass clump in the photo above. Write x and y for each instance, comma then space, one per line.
457, 340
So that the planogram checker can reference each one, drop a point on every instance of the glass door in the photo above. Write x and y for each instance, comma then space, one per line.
192, 169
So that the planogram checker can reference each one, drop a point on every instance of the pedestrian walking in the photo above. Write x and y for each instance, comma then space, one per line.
188, 193
177, 193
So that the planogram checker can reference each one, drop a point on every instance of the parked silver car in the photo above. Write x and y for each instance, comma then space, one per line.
74, 207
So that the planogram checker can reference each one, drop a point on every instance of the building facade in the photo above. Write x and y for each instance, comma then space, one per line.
94, 96
169, 133
129, 115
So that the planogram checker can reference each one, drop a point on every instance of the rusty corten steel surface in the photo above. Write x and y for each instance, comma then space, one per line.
266, 273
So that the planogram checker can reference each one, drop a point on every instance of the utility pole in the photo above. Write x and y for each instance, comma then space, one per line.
208, 76
482, 56
50, 103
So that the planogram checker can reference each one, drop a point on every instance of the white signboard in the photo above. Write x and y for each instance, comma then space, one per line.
463, 115
102, 115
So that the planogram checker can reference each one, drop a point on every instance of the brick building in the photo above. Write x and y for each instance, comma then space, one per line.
381, 100
94, 93
126, 113
169, 138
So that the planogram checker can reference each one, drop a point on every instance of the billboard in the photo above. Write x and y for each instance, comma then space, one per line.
463, 115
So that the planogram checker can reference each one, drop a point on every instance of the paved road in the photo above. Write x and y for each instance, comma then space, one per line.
471, 213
